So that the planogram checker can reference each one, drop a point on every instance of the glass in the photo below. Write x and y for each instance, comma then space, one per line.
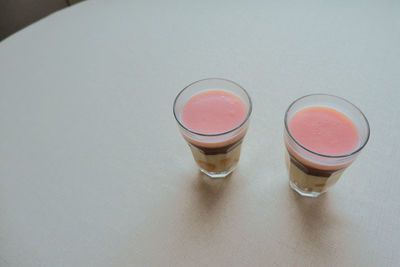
312, 173
217, 155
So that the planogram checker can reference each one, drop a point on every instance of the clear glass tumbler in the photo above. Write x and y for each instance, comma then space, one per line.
218, 154
312, 173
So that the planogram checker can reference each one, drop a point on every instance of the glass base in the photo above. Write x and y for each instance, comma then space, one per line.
304, 193
217, 175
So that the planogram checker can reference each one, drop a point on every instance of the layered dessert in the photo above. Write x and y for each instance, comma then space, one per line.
322, 136
215, 116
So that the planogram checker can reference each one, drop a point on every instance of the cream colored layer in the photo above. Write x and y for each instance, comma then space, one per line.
310, 183
218, 163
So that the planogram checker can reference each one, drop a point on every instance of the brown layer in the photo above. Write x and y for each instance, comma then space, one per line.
218, 150
310, 170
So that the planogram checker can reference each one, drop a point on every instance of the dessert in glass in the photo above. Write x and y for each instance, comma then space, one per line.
213, 117
323, 135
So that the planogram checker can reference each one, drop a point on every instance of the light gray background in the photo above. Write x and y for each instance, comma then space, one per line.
93, 171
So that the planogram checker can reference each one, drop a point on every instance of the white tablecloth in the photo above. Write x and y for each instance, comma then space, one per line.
93, 170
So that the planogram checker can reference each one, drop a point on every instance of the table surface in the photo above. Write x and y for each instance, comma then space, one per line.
93, 170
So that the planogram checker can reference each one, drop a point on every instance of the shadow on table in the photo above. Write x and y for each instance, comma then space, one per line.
318, 222
210, 191
207, 202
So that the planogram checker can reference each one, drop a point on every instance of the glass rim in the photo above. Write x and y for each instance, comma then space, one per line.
217, 134
320, 154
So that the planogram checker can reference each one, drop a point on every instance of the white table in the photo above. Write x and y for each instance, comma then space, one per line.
93, 170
